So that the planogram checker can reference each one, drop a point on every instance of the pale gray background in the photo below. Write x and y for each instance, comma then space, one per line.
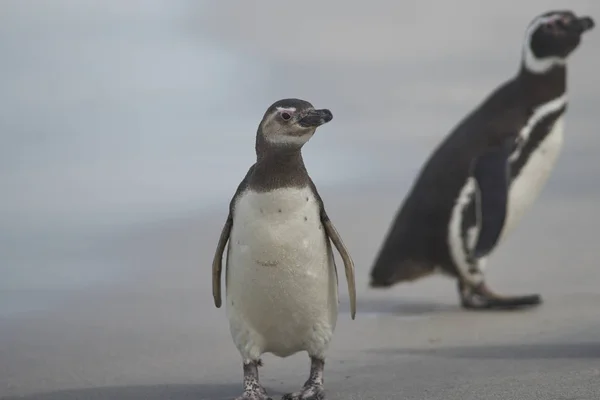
126, 127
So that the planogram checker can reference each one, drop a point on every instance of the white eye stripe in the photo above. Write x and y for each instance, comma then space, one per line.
541, 21
290, 110
531, 62
280, 110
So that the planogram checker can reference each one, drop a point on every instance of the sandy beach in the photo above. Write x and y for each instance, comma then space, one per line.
158, 336
107, 235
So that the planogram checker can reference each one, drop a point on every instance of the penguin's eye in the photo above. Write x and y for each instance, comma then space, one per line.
556, 26
285, 116
552, 26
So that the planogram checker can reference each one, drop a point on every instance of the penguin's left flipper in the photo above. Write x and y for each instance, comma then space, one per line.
217, 265
491, 171
333, 234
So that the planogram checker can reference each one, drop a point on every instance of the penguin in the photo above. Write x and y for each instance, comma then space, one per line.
281, 278
487, 172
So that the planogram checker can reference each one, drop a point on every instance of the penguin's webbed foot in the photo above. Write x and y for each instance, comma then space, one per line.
482, 298
313, 387
258, 395
310, 392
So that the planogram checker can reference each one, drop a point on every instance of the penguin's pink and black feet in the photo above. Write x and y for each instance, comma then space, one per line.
482, 298
252, 387
313, 388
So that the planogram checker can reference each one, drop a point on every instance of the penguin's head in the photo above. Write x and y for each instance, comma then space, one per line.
551, 37
290, 123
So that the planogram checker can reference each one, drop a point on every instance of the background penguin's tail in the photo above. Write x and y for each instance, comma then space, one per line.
399, 258
405, 271
391, 268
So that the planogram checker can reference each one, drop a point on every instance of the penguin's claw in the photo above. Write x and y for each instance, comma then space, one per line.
311, 392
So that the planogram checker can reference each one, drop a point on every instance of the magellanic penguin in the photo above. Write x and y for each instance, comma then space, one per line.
487, 172
281, 278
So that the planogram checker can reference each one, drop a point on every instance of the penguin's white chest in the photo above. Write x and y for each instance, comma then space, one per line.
526, 187
281, 279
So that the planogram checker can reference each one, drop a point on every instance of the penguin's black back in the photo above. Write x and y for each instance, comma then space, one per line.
416, 242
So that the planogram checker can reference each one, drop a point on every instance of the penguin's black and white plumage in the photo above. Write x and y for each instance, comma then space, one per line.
487, 172
281, 279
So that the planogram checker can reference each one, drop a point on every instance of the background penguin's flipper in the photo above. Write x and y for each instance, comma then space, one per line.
491, 171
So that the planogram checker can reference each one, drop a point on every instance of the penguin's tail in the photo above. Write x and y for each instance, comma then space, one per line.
386, 273
399, 259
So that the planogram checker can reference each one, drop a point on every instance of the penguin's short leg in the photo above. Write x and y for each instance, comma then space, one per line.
252, 387
313, 387
470, 278
476, 295
479, 218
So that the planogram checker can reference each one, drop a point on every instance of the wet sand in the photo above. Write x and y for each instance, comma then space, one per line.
153, 332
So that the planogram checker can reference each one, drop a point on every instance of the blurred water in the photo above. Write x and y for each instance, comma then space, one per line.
111, 114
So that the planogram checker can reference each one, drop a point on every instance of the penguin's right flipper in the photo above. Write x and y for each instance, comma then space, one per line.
492, 172
217, 265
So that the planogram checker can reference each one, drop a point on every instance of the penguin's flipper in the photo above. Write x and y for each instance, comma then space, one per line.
491, 171
333, 234
217, 265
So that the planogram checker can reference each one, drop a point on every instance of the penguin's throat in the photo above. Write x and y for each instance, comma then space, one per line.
542, 88
277, 169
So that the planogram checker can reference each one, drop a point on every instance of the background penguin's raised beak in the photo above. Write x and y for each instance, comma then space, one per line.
315, 118
584, 24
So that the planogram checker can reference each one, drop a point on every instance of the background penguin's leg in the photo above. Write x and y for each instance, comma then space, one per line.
491, 173
463, 232
252, 387
475, 294
313, 387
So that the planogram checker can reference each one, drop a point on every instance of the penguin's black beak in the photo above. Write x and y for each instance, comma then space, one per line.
586, 24
581, 25
315, 118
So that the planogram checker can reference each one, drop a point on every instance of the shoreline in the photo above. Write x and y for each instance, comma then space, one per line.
118, 251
